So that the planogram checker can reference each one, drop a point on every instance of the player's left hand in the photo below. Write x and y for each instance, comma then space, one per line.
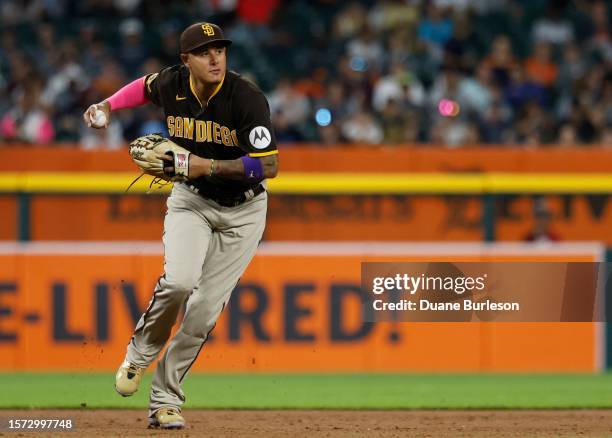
160, 157
168, 163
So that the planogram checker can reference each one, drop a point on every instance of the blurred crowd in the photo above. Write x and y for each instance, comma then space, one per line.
447, 72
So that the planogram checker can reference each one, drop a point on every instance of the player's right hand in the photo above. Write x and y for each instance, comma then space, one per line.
89, 116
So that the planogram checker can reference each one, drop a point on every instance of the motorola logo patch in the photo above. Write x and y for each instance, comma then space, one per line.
260, 137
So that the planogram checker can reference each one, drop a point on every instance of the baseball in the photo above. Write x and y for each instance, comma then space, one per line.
99, 119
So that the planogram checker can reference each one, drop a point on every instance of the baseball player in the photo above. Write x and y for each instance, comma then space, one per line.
216, 214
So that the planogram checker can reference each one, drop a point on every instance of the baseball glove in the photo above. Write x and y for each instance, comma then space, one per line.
160, 157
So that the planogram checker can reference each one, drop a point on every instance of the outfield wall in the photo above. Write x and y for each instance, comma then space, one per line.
387, 217
326, 214
72, 306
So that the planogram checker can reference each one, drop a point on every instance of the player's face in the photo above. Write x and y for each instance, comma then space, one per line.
208, 64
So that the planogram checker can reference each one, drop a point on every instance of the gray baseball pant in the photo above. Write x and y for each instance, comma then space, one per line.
207, 247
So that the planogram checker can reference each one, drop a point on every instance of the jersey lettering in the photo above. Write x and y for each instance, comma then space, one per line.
225, 136
178, 127
216, 132
200, 130
208, 131
188, 128
170, 123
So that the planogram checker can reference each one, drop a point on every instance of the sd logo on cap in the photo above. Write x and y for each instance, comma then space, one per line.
201, 34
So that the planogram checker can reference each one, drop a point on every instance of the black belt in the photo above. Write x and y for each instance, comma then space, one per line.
229, 200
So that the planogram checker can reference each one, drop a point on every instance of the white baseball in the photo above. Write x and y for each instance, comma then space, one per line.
99, 119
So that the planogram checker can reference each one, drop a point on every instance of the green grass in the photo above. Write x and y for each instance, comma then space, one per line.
321, 391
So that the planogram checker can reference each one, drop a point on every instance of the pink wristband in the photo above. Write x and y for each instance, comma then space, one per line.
130, 96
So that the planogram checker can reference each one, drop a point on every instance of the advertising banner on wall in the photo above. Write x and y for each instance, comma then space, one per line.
297, 308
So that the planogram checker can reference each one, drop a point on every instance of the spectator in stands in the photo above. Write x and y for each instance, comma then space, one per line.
313, 87
329, 135
542, 228
553, 28
293, 106
572, 68
110, 138
400, 85
540, 67
606, 137
111, 77
365, 51
151, 122
335, 101
399, 48
44, 48
361, 60
93, 59
168, 47
580, 117
521, 90
461, 50
8, 45
476, 92
362, 127
606, 98
252, 29
349, 21
533, 125
67, 82
399, 126
495, 127
500, 60
454, 132
284, 131
600, 42
567, 135
259, 12
29, 120
471, 96
132, 51
127, 7
388, 15
435, 29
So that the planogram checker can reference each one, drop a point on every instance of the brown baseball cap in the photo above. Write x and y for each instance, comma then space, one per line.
201, 34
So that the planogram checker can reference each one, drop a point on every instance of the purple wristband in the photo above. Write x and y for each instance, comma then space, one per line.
253, 171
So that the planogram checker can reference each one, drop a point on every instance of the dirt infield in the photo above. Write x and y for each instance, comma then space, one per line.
583, 423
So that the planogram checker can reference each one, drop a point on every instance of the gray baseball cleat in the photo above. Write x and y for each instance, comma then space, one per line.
167, 418
128, 378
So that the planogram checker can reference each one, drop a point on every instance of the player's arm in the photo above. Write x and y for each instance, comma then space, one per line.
130, 96
245, 168
255, 137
